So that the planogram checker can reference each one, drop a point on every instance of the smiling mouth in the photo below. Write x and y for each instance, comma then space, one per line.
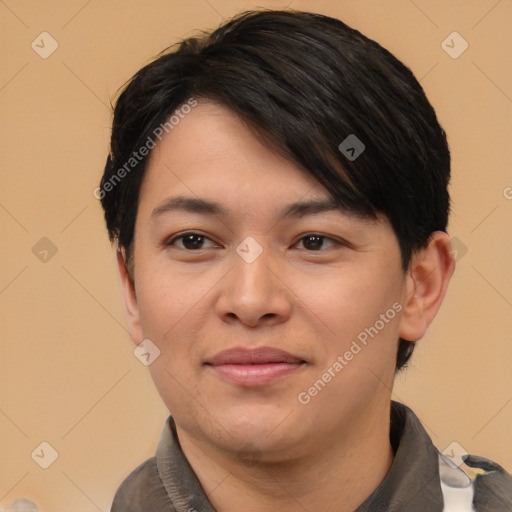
255, 374
254, 367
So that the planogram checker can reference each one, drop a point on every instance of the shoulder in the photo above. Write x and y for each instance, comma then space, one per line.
480, 481
493, 485
142, 490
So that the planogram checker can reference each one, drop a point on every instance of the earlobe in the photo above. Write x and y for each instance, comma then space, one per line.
130, 298
427, 280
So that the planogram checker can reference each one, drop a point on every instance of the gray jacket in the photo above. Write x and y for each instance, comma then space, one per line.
420, 479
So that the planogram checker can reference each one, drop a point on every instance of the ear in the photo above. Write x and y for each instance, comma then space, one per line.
427, 280
130, 298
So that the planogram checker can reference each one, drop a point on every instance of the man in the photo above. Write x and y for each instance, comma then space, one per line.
277, 191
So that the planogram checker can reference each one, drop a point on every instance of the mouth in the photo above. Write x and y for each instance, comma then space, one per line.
254, 367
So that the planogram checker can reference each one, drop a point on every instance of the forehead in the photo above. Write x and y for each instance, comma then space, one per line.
213, 163
212, 150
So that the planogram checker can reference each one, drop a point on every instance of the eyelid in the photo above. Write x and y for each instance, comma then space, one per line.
169, 242
336, 241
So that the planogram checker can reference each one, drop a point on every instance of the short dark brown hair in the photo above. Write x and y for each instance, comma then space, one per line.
305, 82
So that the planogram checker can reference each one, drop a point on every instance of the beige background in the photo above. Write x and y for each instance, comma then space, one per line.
68, 373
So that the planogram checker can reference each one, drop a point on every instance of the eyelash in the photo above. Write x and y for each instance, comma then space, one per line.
170, 242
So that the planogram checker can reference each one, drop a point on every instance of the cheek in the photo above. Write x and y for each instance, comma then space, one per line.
165, 297
347, 304
174, 308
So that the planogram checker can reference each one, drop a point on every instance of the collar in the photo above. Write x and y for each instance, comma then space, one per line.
412, 482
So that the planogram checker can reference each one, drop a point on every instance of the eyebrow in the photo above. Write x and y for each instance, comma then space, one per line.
212, 208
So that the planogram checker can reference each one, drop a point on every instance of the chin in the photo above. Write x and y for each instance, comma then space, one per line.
264, 427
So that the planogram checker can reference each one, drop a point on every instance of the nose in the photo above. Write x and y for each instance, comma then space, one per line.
254, 293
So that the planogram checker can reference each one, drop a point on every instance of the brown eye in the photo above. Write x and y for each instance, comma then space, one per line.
189, 241
316, 242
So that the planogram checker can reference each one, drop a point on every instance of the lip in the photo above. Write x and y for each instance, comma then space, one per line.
254, 367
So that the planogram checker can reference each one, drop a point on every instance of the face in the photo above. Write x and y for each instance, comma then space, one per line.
306, 301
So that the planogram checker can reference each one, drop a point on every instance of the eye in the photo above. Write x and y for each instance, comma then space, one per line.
189, 241
193, 241
314, 242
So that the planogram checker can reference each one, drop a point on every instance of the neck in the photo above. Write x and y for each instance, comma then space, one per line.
337, 476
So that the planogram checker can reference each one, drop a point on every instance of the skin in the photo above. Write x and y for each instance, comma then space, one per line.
328, 454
